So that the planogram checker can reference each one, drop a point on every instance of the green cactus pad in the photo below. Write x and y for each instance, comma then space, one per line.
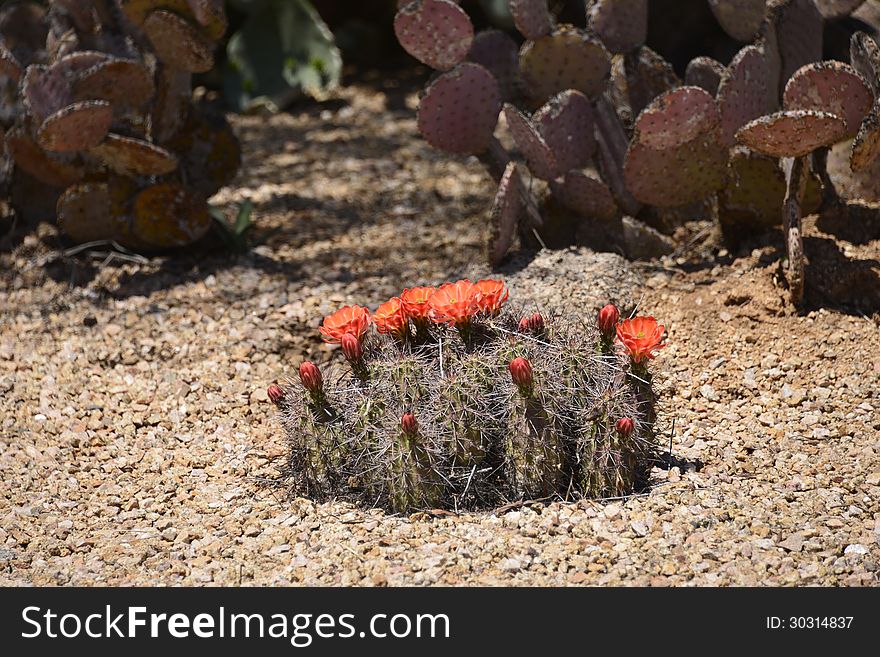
585, 194
648, 76
568, 58
531, 143
832, 87
498, 53
459, 110
134, 157
166, 215
436, 32
798, 25
832, 9
741, 19
675, 156
49, 169
505, 214
531, 18
621, 24
866, 146
865, 57
792, 133
744, 91
178, 42
704, 72
85, 213
125, 83
566, 124
76, 127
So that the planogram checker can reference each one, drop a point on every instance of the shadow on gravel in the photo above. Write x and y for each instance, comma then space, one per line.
838, 282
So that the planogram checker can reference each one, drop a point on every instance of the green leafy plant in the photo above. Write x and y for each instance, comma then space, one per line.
234, 234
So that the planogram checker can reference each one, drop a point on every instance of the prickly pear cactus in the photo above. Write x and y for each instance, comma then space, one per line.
457, 402
96, 106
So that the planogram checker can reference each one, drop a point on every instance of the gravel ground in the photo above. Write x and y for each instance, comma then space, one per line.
137, 445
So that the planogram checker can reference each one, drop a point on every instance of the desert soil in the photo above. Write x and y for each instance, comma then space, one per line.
137, 444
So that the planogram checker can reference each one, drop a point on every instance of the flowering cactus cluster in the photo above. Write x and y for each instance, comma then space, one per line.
456, 401
96, 112
606, 128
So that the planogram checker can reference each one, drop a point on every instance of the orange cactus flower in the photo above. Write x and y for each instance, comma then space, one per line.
454, 303
350, 319
391, 318
493, 294
415, 302
641, 336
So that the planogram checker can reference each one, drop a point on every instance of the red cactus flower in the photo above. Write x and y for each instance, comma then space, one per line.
641, 336
391, 318
415, 302
608, 318
625, 426
454, 303
493, 294
350, 319
276, 394
409, 424
525, 325
536, 323
352, 348
521, 373
311, 377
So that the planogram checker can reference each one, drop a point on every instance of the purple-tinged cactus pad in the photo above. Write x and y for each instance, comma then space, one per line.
741, 19
76, 127
48, 169
531, 143
568, 58
792, 133
507, 209
621, 24
178, 42
436, 32
531, 17
211, 15
209, 152
134, 157
85, 215
865, 57
678, 175
675, 156
799, 34
832, 9
171, 106
832, 87
566, 124
704, 72
82, 60
866, 146
80, 12
167, 216
498, 53
124, 82
137, 10
9, 65
744, 91
676, 118
45, 90
586, 195
459, 110
648, 76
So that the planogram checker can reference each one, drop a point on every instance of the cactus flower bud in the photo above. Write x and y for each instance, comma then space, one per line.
536, 323
625, 426
352, 348
521, 373
608, 318
311, 378
276, 394
525, 325
409, 424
